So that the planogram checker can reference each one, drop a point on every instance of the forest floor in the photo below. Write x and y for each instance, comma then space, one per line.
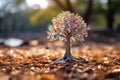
32, 61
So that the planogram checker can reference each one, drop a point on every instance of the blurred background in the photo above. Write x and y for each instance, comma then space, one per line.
32, 17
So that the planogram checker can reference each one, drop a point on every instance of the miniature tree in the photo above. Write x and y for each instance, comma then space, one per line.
67, 27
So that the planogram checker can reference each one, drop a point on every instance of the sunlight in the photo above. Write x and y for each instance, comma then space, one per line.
103, 1
41, 3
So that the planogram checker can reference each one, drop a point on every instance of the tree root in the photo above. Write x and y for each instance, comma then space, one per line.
68, 58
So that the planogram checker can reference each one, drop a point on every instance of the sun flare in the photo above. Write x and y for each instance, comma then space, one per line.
41, 3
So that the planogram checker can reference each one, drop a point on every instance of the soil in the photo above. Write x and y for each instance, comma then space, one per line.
33, 62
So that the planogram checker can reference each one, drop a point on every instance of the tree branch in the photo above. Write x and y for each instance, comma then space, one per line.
60, 4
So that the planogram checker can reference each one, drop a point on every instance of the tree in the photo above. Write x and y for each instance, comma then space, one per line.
113, 7
88, 11
69, 7
7, 10
67, 27
110, 15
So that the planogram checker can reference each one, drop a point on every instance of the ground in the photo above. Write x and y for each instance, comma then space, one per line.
33, 62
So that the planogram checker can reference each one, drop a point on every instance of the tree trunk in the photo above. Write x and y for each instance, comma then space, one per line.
69, 6
60, 4
68, 52
88, 11
110, 20
110, 15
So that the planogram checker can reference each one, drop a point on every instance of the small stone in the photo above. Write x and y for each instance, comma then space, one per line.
32, 68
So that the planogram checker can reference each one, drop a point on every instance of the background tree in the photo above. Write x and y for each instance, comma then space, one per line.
66, 7
113, 8
32, 19
69, 7
7, 11
88, 11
